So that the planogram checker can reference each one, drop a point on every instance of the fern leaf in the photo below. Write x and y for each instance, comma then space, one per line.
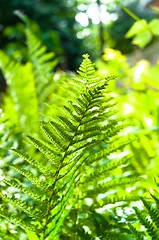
53, 156
36, 195
43, 169
153, 212
150, 226
43, 64
22, 206
137, 234
20, 111
14, 219
54, 138
31, 177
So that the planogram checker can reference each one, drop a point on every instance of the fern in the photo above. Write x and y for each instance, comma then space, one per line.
80, 150
19, 86
151, 229
148, 217
32, 80
43, 64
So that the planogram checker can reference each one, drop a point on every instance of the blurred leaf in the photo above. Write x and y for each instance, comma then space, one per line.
136, 28
142, 39
154, 26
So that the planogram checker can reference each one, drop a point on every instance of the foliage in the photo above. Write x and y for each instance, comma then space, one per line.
66, 36
137, 91
32, 80
143, 32
23, 103
74, 153
119, 28
83, 175
147, 226
57, 23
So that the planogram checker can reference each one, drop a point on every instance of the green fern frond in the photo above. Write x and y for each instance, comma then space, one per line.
43, 64
55, 133
148, 219
153, 211
138, 235
15, 103
76, 150
151, 229
21, 205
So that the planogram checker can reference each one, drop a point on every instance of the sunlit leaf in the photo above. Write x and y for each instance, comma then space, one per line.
136, 28
142, 39
154, 26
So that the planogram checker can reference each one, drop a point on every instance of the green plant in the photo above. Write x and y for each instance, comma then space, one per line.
143, 32
137, 90
23, 101
148, 216
81, 150
32, 80
73, 180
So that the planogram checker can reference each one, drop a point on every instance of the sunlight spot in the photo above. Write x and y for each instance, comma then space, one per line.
130, 130
129, 210
1, 128
86, 228
126, 174
17, 195
82, 19
138, 204
1, 177
108, 207
129, 189
42, 178
93, 14
139, 69
127, 108
105, 16
68, 207
84, 33
82, 7
106, 194
148, 121
118, 155
89, 201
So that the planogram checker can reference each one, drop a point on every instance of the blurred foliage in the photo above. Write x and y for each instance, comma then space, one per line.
137, 90
35, 91
84, 156
143, 32
57, 23
68, 27
118, 28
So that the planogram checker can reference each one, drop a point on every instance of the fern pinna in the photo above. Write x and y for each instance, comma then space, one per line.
147, 226
80, 159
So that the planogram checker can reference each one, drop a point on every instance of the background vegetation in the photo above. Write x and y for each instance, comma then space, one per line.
41, 46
